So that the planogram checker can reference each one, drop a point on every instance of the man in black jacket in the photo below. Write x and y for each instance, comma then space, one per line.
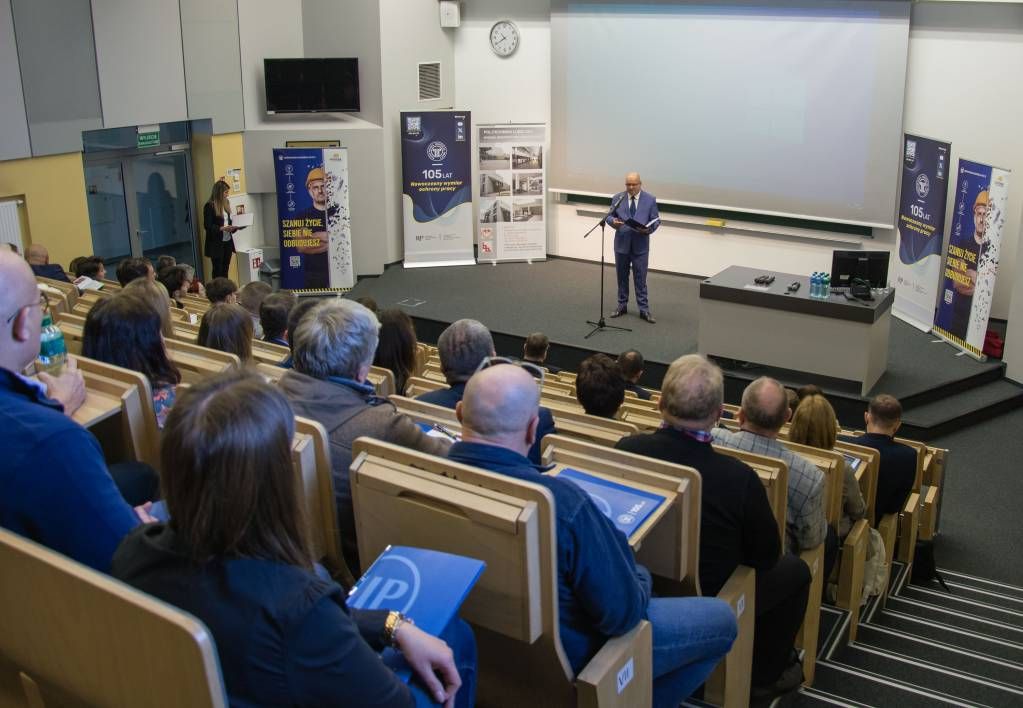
897, 472
737, 525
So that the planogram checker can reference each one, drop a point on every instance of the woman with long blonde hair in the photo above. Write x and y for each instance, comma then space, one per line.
216, 221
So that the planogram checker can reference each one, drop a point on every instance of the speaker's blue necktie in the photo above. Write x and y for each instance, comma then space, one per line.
632, 206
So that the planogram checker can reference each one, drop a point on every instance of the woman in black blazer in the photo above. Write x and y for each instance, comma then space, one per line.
216, 220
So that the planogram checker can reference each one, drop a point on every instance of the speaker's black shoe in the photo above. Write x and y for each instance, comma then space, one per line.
648, 317
618, 313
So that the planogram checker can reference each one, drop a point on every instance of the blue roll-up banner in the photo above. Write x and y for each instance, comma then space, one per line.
917, 272
313, 218
436, 198
971, 260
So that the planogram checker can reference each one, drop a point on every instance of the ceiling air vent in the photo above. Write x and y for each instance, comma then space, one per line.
429, 81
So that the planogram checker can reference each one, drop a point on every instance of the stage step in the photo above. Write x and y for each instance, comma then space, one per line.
999, 611
961, 582
952, 636
970, 406
861, 687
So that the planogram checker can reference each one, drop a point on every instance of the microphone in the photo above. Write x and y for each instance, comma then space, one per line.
618, 201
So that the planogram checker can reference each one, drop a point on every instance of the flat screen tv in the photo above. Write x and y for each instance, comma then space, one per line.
311, 85
870, 266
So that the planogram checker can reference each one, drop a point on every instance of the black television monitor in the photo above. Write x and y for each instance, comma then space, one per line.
311, 85
869, 266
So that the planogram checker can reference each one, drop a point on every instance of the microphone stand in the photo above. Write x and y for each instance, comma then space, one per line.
600, 324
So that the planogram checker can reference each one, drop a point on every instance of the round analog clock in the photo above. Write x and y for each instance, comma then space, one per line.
504, 38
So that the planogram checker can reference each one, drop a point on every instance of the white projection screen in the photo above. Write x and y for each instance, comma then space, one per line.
781, 108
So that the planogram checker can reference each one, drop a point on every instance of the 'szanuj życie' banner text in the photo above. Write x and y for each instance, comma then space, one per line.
512, 184
917, 271
313, 219
436, 197
971, 261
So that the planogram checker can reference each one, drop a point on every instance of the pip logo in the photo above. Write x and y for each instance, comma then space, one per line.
395, 586
436, 151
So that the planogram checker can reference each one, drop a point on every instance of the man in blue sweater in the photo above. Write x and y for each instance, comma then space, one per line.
55, 485
602, 592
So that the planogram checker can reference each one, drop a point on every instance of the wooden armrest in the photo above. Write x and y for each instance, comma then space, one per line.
621, 673
729, 685
850, 573
908, 523
929, 512
808, 633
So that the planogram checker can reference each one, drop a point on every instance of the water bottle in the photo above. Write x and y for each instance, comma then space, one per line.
52, 351
815, 284
827, 286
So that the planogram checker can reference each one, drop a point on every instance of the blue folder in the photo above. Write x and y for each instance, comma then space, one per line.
627, 507
428, 586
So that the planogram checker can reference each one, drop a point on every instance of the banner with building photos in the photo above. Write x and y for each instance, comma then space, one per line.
917, 270
436, 199
313, 220
971, 260
512, 204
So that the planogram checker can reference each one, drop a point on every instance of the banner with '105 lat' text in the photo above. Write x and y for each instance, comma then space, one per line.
436, 200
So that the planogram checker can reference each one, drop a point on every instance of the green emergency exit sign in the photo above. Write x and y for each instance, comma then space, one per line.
148, 136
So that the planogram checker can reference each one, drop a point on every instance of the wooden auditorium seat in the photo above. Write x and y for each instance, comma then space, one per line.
198, 363
76, 637
409, 498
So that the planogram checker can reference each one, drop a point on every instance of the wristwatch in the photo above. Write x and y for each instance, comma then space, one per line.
392, 624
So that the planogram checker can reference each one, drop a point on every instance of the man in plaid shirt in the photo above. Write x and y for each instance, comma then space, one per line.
765, 410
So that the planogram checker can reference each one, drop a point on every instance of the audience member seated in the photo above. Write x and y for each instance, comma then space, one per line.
131, 268
273, 317
176, 280
39, 259
126, 330
535, 350
815, 424
222, 290
56, 486
235, 555
369, 303
72, 267
227, 328
897, 473
332, 352
396, 350
765, 409
631, 363
462, 348
599, 385
602, 592
91, 267
737, 525
793, 399
808, 390
156, 295
165, 262
197, 287
250, 297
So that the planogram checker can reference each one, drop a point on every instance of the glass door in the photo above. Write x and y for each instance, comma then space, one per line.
141, 205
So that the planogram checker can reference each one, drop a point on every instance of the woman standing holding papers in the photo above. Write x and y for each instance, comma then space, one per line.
216, 221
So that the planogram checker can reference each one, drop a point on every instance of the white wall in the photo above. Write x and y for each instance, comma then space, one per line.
976, 46
266, 28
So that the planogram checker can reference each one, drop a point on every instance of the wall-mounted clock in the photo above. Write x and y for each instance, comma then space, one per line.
504, 38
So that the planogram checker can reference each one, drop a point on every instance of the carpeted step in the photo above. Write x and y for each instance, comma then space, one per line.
931, 630
971, 406
813, 698
874, 688
997, 611
950, 683
939, 653
968, 621
981, 585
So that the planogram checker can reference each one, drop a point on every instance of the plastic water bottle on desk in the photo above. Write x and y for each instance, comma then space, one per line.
52, 350
815, 284
826, 286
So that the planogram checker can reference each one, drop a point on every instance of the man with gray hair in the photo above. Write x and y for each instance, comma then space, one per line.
765, 409
602, 592
737, 525
333, 347
462, 347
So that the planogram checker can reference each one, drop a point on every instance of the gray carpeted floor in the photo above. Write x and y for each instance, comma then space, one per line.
558, 296
981, 533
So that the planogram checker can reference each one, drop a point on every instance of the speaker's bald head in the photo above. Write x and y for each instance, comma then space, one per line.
500, 400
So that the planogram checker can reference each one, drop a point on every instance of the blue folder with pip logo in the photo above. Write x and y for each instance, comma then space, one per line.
627, 507
428, 586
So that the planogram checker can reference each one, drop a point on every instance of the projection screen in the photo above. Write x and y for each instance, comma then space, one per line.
790, 108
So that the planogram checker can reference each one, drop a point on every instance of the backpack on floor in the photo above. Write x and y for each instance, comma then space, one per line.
925, 568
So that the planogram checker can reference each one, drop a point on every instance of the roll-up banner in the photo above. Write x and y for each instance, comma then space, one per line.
925, 167
971, 261
313, 218
512, 184
436, 198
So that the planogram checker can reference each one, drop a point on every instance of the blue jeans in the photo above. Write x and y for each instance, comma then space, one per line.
690, 636
460, 638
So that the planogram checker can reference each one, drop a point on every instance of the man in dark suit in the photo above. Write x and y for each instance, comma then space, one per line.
897, 472
462, 347
535, 350
737, 525
632, 245
39, 260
